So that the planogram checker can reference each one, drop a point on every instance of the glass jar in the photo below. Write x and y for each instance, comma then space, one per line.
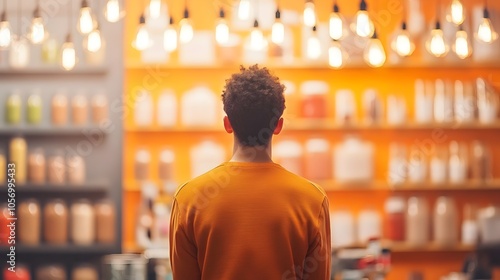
36, 166
51, 272
29, 221
445, 222
84, 272
105, 220
18, 156
99, 108
79, 109
314, 100
34, 113
56, 168
395, 208
59, 109
166, 165
142, 162
55, 218
13, 109
82, 222
318, 159
76, 169
417, 221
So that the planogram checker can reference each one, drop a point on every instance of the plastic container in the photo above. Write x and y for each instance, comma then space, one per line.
342, 228
36, 166
445, 222
196, 100
398, 166
314, 99
55, 222
141, 165
34, 109
82, 223
105, 215
369, 225
489, 224
79, 109
56, 168
345, 107
353, 160
417, 222
423, 102
100, 110
205, 156
470, 229
166, 112
143, 109
59, 110
439, 167
457, 163
29, 222
13, 109
395, 210
290, 155
417, 166
318, 159
18, 155
76, 169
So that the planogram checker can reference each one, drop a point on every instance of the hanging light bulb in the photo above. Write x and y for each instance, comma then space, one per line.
278, 29
5, 33
142, 40
68, 54
19, 52
336, 55
457, 12
374, 53
313, 50
222, 29
336, 23
154, 8
363, 25
94, 41
402, 43
113, 12
170, 37
462, 46
86, 21
37, 29
186, 29
485, 31
257, 40
244, 10
436, 45
309, 14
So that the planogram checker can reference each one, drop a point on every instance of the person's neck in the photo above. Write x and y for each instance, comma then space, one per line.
251, 154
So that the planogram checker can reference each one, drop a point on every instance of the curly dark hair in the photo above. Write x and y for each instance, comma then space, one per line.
253, 101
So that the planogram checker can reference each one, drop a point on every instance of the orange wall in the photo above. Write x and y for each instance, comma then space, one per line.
385, 80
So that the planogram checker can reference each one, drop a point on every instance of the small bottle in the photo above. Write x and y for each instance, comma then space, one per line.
18, 155
99, 108
3, 166
445, 222
56, 168
79, 109
480, 162
36, 166
76, 169
59, 109
143, 109
34, 112
470, 229
372, 106
13, 109
457, 163
438, 167
398, 167
166, 113
142, 162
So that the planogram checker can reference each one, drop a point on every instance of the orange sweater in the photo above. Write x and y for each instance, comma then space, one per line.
250, 221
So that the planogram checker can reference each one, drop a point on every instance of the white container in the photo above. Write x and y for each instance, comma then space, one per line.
464, 105
143, 109
342, 229
438, 169
369, 225
423, 103
396, 110
353, 160
417, 166
166, 112
457, 163
470, 232
443, 103
317, 159
417, 222
82, 223
398, 167
489, 224
487, 102
197, 100
289, 154
345, 107
206, 156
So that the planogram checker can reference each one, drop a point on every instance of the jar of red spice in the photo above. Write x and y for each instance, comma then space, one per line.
314, 99
395, 209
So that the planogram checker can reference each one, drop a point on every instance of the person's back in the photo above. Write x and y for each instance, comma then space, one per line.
250, 218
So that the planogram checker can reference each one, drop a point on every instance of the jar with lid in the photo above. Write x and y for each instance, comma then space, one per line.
59, 109
445, 222
18, 155
141, 165
56, 168
4, 222
51, 272
395, 208
205, 156
36, 166
84, 272
470, 228
79, 109
105, 221
76, 169
417, 221
314, 99
29, 219
289, 154
82, 222
3, 166
199, 99
55, 219
13, 109
318, 159
99, 108
34, 112
22, 272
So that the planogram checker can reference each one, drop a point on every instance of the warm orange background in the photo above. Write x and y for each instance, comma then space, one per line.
386, 80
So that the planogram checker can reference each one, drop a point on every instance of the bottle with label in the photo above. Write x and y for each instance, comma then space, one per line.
480, 162
438, 166
18, 156
395, 208
417, 166
141, 165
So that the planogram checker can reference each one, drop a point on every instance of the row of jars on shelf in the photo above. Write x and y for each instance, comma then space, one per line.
83, 223
437, 101
52, 272
410, 221
59, 109
34, 167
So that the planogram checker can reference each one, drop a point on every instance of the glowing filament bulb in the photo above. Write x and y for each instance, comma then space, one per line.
278, 30
336, 24
485, 31
462, 47
5, 33
257, 40
37, 29
170, 37
112, 12
154, 8
186, 32
94, 41
85, 21
457, 12
363, 25
309, 15
313, 50
336, 55
244, 10
142, 40
222, 29
436, 44
374, 54
68, 54
402, 43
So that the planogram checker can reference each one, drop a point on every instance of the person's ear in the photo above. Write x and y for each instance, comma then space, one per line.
279, 127
227, 125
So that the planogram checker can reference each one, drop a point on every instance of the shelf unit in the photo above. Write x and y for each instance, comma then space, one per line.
54, 70
63, 189
66, 249
25, 130
402, 247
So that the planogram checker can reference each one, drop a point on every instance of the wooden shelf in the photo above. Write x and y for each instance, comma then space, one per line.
54, 70
60, 190
402, 247
67, 249
326, 125
25, 130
